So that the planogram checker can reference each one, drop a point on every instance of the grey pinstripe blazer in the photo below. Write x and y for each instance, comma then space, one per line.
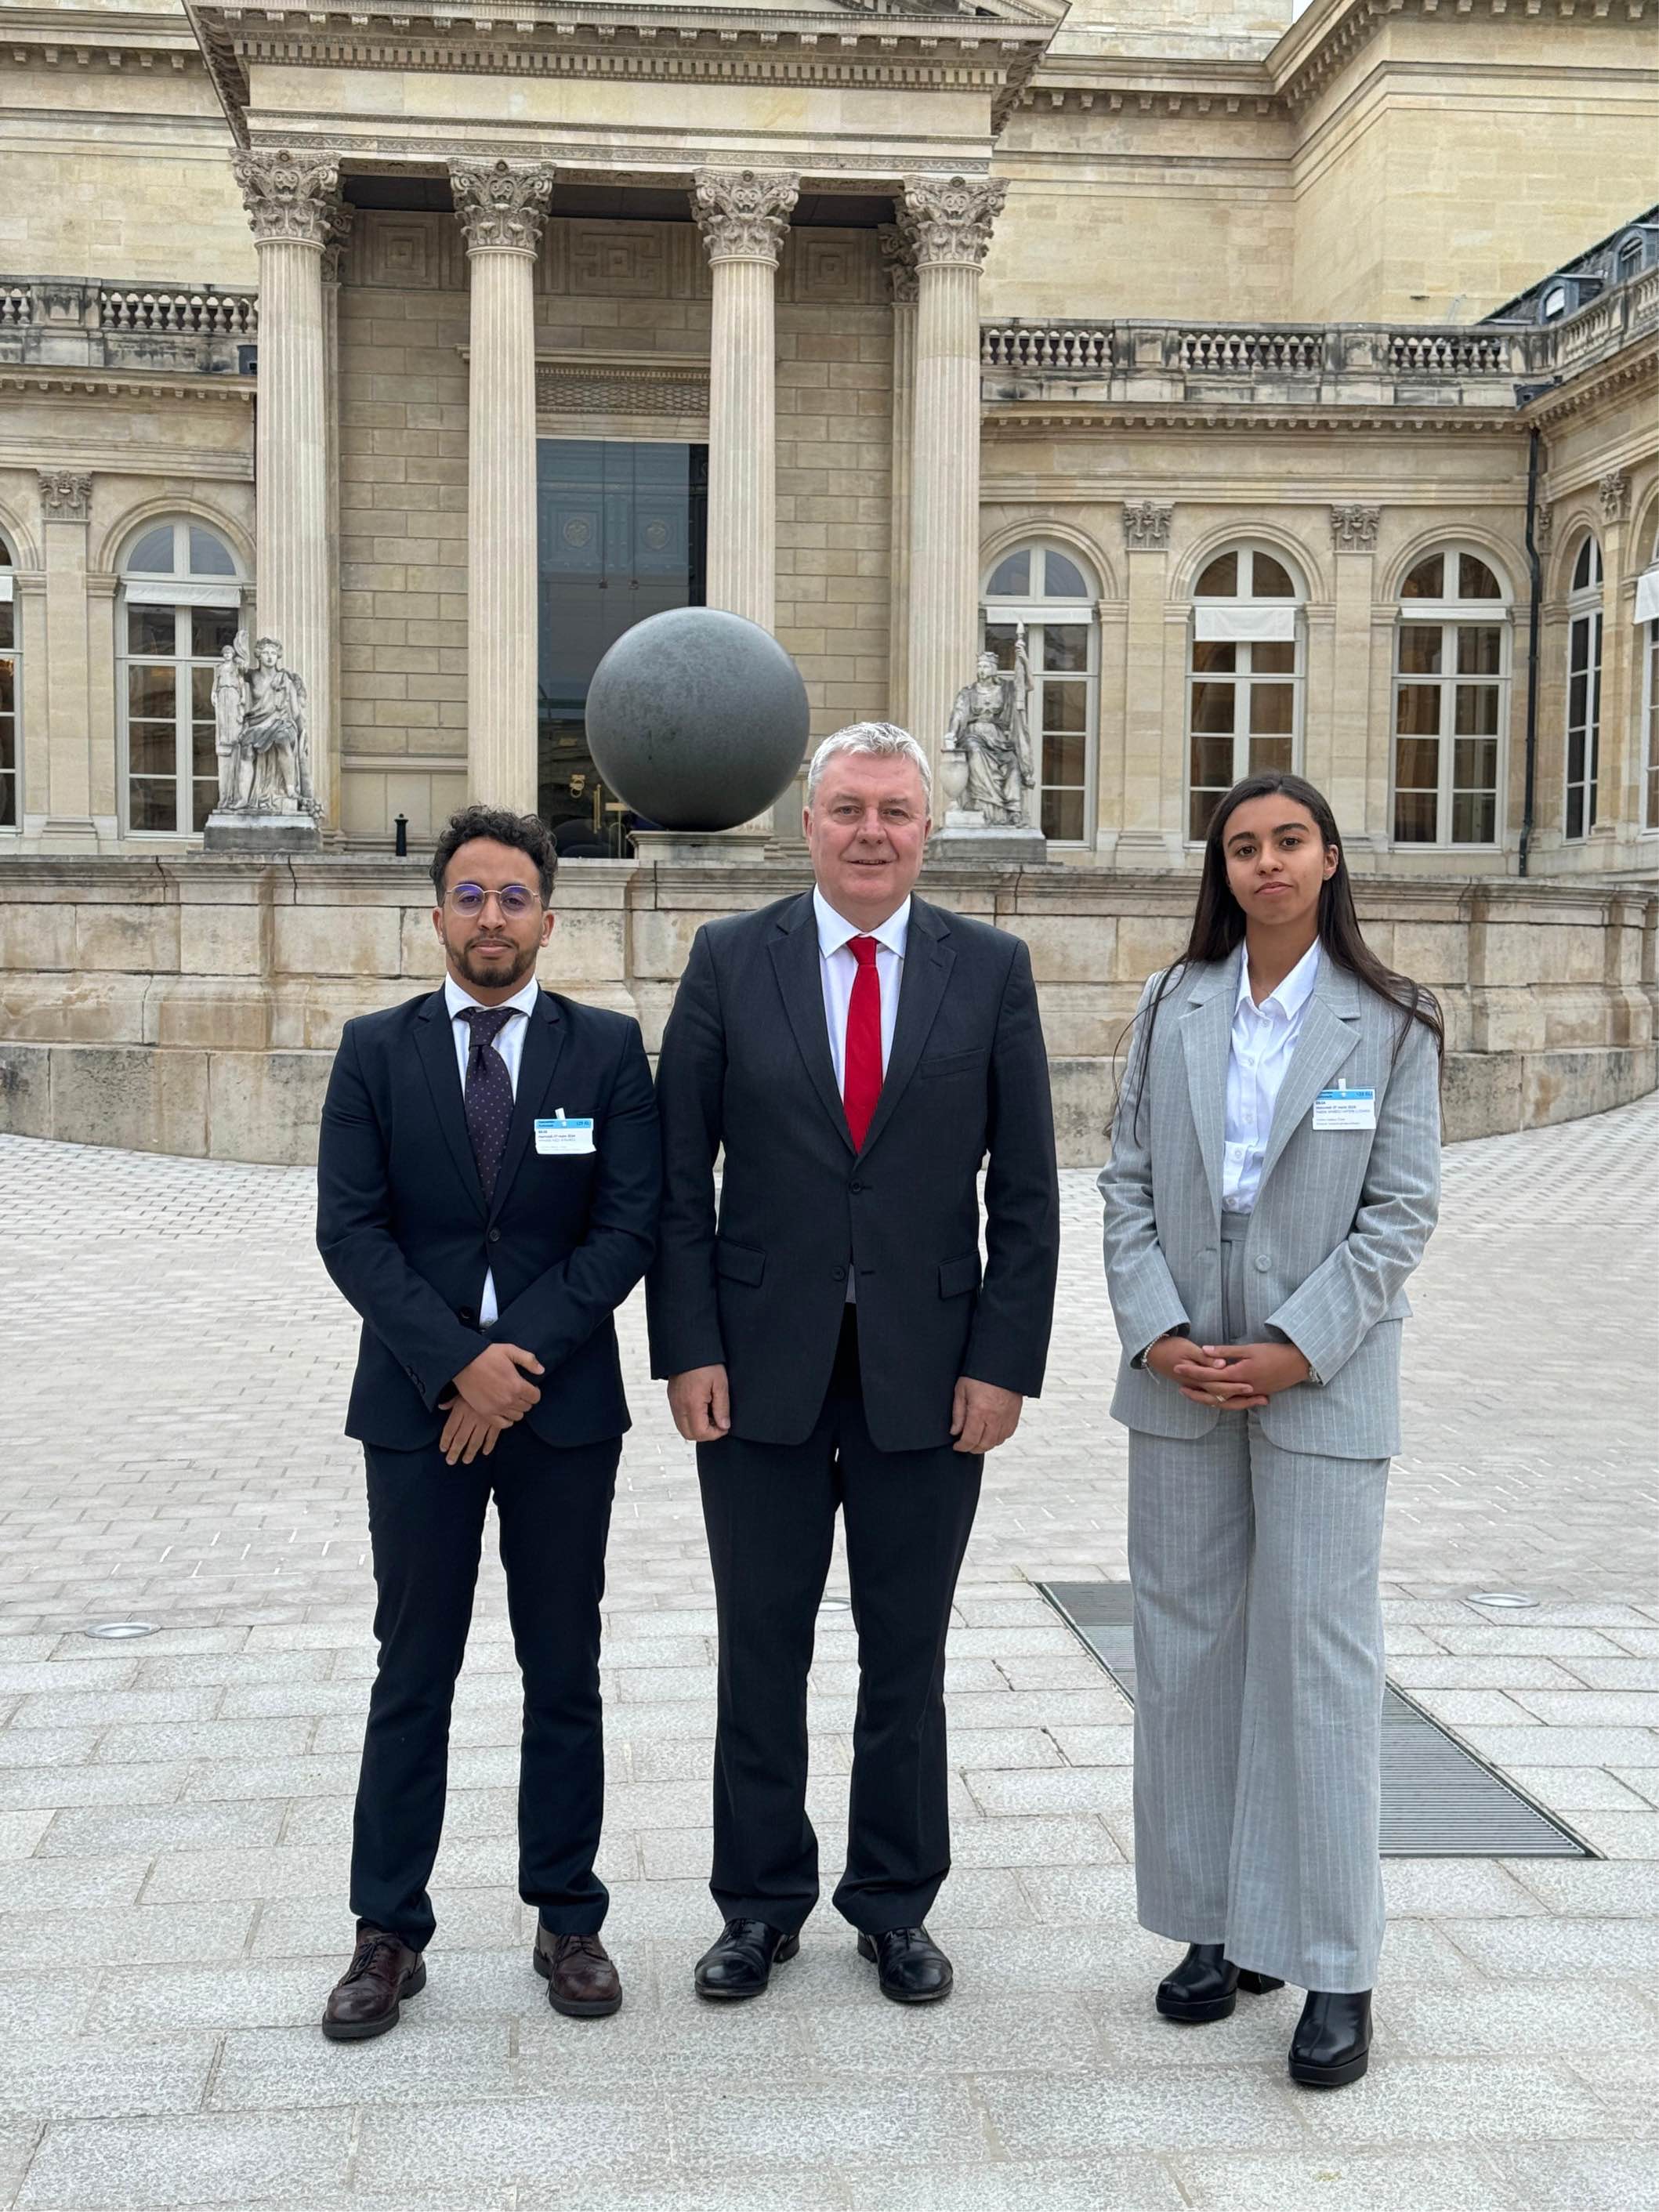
1340, 1220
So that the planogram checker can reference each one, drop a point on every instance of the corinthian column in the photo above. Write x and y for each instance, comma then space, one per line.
948, 220
898, 250
743, 214
501, 208
293, 203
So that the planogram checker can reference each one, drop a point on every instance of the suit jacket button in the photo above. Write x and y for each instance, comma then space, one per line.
838, 1274
494, 1235
856, 1187
1263, 1261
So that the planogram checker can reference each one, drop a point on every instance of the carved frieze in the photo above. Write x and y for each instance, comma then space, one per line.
292, 197
950, 219
500, 205
1614, 491
1353, 528
1147, 526
743, 214
65, 496
899, 263
672, 388
618, 261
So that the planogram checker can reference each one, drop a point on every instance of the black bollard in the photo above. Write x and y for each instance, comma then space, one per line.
401, 826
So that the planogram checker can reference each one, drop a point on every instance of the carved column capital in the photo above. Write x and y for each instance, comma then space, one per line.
948, 219
65, 496
500, 207
1353, 528
1614, 491
1147, 526
290, 199
341, 215
898, 255
743, 213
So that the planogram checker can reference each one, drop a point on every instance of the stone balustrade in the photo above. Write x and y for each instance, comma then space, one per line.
68, 323
1066, 349
187, 314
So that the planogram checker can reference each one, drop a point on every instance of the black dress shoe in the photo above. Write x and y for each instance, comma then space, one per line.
1205, 1985
740, 1964
1332, 2046
912, 1968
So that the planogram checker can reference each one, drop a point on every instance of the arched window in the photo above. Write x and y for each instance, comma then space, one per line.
181, 605
1451, 673
1046, 589
8, 691
1244, 678
1584, 690
1647, 616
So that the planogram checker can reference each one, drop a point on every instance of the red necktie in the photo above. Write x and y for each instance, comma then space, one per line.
860, 1082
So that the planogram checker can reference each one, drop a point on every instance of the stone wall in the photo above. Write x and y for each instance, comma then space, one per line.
192, 1007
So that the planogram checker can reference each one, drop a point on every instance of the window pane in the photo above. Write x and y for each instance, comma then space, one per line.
1574, 825
211, 630
1474, 764
1011, 578
1269, 752
200, 695
1062, 579
1221, 580
1212, 763
1480, 652
1065, 644
1417, 764
1270, 579
1474, 819
1475, 581
7, 802
153, 555
8, 743
1578, 699
151, 803
151, 691
204, 756
8, 688
1578, 644
1201, 806
1065, 706
1413, 817
1062, 815
1417, 710
1221, 660
8, 623
208, 557
152, 630
152, 748
999, 640
1477, 710
204, 794
1063, 758
1420, 648
1574, 755
1426, 581
1580, 567
1271, 706
1213, 706
1276, 657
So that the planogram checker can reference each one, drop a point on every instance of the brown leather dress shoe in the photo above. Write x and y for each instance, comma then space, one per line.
368, 1997
582, 1981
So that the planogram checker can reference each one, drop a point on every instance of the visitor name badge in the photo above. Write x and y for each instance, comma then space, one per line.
1343, 1109
559, 1135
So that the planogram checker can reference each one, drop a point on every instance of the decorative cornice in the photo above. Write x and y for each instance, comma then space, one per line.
1614, 491
501, 207
1147, 526
65, 496
950, 218
1041, 416
103, 383
743, 213
290, 199
1353, 528
898, 256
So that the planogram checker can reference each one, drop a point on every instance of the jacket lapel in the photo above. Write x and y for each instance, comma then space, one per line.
1206, 1030
434, 1040
544, 1041
1330, 1030
794, 950
927, 963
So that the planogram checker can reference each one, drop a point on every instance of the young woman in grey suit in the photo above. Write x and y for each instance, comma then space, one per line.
1275, 1178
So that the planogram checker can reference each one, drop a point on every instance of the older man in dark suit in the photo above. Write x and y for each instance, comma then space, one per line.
488, 1181
830, 1339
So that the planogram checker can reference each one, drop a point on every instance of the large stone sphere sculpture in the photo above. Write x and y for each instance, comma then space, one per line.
696, 719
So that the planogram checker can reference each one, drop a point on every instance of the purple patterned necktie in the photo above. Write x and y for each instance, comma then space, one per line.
488, 1090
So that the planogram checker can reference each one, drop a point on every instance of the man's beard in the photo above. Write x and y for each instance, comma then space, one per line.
492, 979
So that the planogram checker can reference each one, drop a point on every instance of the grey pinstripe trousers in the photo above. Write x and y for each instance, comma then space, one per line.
1258, 1694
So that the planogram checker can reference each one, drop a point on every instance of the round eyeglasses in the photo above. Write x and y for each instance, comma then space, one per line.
514, 900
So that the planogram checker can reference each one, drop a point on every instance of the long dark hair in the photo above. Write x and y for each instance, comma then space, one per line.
1218, 921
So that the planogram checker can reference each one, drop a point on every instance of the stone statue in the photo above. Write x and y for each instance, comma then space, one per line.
989, 729
230, 713
259, 732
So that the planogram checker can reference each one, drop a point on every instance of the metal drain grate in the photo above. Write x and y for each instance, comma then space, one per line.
1439, 1801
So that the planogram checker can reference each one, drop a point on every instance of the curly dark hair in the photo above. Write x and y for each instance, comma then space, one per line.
527, 833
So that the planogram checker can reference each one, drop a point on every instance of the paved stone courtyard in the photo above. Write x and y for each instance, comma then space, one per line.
174, 1811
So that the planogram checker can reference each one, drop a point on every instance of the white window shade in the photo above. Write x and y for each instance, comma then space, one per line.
1227, 624
5, 585
163, 592
1647, 594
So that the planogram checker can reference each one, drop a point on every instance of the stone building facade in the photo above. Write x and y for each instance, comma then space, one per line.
1291, 382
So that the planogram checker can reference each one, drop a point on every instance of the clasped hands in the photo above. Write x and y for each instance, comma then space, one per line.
983, 1416
490, 1394
1238, 1377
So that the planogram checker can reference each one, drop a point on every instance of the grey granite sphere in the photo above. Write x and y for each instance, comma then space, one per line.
696, 719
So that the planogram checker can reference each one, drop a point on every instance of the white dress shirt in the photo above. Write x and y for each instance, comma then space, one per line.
509, 1043
837, 971
1263, 1039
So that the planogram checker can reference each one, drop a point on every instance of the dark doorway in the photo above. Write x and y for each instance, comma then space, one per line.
621, 533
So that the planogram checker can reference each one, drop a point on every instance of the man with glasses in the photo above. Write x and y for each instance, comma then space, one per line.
488, 1174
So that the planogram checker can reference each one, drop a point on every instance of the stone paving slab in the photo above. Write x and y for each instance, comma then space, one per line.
175, 1812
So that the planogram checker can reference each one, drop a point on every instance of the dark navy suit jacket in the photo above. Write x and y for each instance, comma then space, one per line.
745, 1064
404, 1231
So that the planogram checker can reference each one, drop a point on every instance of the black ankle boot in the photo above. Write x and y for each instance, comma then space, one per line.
1205, 1985
1332, 2044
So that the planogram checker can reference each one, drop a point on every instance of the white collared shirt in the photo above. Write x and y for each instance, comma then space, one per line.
837, 967
509, 1042
1263, 1040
